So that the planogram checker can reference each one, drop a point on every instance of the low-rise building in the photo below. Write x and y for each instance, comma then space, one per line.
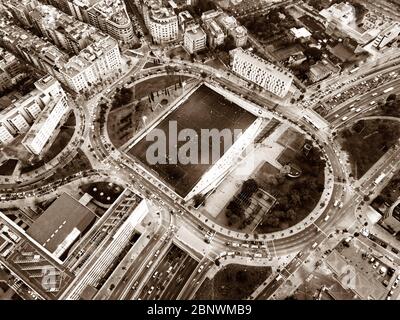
261, 72
185, 20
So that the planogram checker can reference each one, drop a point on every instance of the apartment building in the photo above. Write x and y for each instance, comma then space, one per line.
11, 69
93, 64
18, 117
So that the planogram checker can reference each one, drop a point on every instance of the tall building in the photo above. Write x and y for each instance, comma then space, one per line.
162, 22
261, 72
92, 273
18, 117
195, 39
45, 125
93, 64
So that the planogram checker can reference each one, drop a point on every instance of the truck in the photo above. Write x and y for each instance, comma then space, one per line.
379, 179
388, 90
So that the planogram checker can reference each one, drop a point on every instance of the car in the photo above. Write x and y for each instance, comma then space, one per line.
344, 118
200, 269
376, 265
169, 270
149, 264
155, 274
395, 284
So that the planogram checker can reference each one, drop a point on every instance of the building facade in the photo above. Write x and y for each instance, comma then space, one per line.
11, 70
45, 125
163, 24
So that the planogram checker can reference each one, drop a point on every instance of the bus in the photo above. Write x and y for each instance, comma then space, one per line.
388, 90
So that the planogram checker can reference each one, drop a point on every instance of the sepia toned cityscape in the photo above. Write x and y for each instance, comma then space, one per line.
199, 150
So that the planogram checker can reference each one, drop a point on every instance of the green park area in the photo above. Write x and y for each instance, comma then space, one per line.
367, 141
233, 282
